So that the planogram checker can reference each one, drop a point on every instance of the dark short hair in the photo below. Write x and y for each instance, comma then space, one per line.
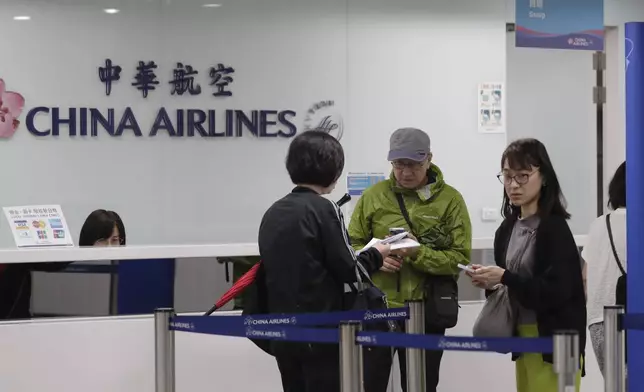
99, 225
523, 154
315, 158
617, 188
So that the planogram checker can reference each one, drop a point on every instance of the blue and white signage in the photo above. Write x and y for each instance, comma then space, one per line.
560, 24
357, 183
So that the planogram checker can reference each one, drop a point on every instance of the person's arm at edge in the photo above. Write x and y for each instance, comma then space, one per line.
445, 262
584, 275
340, 256
497, 244
589, 251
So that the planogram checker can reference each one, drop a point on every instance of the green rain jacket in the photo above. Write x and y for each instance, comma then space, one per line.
441, 223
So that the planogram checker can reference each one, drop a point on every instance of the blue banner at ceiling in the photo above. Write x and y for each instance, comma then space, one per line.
560, 24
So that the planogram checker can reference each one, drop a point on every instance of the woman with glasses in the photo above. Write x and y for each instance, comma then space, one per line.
537, 261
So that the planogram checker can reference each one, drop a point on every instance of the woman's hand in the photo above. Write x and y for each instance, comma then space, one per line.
384, 249
391, 264
407, 252
475, 282
488, 276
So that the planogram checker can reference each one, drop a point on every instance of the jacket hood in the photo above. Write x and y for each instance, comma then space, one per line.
426, 192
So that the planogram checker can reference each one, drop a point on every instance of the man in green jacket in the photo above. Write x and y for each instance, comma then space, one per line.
440, 220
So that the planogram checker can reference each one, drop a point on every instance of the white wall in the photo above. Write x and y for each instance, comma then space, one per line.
386, 65
107, 355
418, 63
614, 121
550, 98
559, 83
618, 12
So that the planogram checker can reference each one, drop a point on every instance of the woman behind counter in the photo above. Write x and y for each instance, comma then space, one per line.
101, 228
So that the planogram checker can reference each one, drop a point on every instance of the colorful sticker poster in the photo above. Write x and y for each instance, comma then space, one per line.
42, 225
560, 24
357, 183
491, 108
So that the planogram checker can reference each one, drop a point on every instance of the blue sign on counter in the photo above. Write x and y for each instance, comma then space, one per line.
358, 182
560, 24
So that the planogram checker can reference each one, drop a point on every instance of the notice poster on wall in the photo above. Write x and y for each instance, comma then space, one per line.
357, 183
491, 108
42, 225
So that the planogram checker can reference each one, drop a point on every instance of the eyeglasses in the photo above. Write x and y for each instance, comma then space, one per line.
402, 165
520, 179
110, 241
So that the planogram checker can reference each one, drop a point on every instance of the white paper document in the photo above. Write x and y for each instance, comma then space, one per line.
400, 244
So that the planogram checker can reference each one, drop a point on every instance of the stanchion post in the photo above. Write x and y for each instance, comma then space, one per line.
350, 362
164, 351
614, 358
566, 359
415, 357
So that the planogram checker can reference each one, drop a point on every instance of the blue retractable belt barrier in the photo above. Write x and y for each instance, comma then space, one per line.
299, 320
229, 326
290, 328
456, 343
633, 321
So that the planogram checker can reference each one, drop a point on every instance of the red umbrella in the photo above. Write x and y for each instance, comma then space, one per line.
236, 289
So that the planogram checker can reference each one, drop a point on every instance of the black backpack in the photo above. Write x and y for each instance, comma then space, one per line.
620, 288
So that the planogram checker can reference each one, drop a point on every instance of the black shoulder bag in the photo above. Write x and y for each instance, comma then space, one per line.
441, 291
366, 296
256, 303
620, 288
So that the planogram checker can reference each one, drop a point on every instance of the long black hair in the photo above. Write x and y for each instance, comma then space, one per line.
99, 225
523, 154
617, 188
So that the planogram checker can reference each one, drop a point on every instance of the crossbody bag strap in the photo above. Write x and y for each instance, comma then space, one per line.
612, 244
403, 210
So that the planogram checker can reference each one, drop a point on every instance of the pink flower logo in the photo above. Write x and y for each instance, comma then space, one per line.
11, 105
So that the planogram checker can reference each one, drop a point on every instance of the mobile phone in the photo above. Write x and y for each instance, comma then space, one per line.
394, 238
465, 268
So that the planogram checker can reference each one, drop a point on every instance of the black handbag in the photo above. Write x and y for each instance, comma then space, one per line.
441, 291
364, 295
620, 287
256, 303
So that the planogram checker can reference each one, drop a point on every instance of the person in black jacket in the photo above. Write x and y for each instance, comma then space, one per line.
537, 260
308, 258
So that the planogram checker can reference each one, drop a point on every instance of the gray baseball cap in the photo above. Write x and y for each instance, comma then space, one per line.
409, 143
